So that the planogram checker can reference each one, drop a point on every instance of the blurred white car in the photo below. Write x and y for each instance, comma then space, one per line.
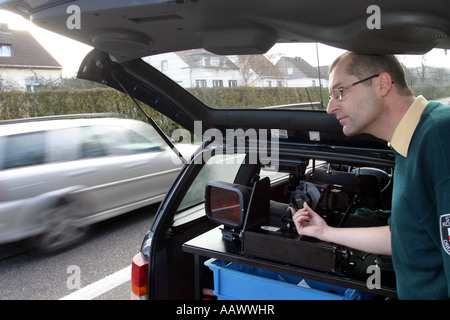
58, 176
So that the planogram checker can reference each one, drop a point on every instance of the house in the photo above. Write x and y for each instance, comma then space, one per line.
258, 71
197, 68
24, 64
200, 68
299, 73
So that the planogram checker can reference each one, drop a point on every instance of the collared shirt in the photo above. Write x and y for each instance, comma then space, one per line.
403, 133
421, 203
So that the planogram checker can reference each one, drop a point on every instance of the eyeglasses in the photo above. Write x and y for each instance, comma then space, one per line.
337, 93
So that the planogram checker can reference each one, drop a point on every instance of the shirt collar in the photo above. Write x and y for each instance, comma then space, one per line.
403, 133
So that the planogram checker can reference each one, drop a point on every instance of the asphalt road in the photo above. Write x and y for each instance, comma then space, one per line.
79, 272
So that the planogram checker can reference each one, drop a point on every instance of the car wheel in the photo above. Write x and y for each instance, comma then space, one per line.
63, 227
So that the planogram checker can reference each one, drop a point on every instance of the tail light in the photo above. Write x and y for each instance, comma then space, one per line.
226, 203
139, 278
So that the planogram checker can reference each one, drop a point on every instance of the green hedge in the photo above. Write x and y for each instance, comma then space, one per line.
250, 97
55, 102
432, 92
14, 105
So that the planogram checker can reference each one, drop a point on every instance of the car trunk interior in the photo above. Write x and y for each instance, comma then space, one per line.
345, 189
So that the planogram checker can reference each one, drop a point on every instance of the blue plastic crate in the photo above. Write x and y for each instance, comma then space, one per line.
234, 281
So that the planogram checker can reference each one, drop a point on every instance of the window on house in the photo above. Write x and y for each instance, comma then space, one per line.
206, 62
200, 83
5, 50
33, 85
214, 62
217, 83
232, 83
290, 70
164, 65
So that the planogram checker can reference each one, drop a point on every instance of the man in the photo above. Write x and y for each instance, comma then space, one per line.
369, 94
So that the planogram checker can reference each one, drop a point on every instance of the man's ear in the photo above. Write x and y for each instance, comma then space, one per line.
385, 83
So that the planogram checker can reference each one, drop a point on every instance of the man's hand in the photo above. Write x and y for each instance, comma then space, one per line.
375, 239
308, 222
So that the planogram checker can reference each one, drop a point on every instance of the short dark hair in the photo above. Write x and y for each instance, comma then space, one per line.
365, 65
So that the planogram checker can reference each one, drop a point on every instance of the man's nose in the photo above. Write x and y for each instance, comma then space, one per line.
333, 106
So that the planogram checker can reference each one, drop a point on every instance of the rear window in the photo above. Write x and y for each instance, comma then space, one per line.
289, 76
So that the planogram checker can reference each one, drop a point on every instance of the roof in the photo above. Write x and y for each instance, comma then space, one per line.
194, 57
308, 70
26, 50
258, 63
261, 65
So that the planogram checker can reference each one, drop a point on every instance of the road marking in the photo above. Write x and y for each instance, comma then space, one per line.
101, 286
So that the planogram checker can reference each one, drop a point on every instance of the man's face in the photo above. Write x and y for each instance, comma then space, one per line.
359, 108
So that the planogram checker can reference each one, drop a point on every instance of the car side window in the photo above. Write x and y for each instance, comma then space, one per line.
138, 143
24, 150
63, 144
124, 140
91, 145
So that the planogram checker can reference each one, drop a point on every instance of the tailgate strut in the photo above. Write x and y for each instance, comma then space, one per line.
154, 125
